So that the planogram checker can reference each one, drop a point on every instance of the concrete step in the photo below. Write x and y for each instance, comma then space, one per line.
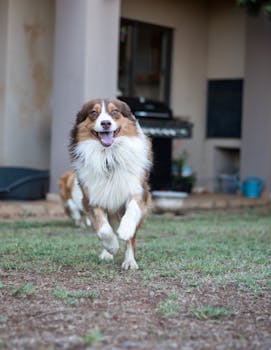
52, 207
196, 202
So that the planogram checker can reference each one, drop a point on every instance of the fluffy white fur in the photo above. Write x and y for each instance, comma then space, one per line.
129, 260
104, 116
106, 256
113, 174
129, 221
108, 238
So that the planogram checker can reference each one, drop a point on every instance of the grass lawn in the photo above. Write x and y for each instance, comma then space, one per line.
204, 282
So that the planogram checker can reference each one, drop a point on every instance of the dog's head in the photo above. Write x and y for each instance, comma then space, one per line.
104, 121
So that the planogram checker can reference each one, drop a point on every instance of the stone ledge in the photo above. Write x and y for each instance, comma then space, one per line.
207, 202
52, 208
16, 210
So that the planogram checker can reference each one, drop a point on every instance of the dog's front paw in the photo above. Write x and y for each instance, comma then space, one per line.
77, 222
129, 264
109, 239
110, 242
106, 256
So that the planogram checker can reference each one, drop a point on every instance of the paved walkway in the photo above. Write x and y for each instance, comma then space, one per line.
197, 202
52, 207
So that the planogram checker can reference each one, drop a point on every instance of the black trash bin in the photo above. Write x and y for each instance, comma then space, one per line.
23, 183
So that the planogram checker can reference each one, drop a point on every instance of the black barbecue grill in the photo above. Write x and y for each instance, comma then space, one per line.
157, 122
156, 119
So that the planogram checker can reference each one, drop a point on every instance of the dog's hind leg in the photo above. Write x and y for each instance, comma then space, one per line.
105, 255
129, 259
104, 230
74, 212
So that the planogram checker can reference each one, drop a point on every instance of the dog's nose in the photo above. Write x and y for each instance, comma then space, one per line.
106, 124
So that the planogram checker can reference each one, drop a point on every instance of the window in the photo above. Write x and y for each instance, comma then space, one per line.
224, 108
144, 60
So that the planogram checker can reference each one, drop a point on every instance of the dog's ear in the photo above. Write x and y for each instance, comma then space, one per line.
125, 110
86, 109
83, 113
80, 117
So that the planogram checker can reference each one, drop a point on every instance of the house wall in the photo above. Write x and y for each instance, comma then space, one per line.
28, 80
226, 41
3, 52
256, 140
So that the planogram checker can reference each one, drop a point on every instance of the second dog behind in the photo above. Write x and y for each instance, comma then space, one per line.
71, 196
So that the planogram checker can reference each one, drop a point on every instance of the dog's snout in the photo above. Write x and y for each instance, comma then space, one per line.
106, 124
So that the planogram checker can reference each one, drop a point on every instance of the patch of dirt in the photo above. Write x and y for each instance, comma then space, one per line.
125, 314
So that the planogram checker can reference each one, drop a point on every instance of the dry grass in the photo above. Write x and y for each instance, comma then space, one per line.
203, 283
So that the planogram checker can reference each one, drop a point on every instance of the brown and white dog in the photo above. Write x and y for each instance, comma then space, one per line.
112, 160
72, 196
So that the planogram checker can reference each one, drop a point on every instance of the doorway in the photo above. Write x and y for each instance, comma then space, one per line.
144, 60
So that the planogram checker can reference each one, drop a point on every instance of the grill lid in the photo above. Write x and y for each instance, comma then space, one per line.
146, 108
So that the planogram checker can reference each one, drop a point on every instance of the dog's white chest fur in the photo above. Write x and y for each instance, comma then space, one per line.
112, 175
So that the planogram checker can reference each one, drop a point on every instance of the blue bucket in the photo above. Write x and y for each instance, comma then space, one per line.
252, 187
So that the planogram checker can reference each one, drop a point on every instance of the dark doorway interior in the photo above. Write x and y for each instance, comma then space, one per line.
144, 60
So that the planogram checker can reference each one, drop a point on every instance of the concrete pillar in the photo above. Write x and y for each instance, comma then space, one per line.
3, 56
26, 55
86, 66
256, 128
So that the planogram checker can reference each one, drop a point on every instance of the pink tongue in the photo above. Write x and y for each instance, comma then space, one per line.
107, 138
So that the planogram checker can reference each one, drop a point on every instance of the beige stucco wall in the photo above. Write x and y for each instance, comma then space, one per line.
256, 140
3, 51
226, 41
226, 60
28, 80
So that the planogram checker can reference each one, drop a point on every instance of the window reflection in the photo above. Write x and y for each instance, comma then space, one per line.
144, 60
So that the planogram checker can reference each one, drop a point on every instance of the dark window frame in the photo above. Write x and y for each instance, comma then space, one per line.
136, 25
224, 108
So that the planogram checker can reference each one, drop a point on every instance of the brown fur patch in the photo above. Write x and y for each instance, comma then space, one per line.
97, 216
65, 185
122, 115
88, 107
127, 127
84, 130
123, 108
131, 243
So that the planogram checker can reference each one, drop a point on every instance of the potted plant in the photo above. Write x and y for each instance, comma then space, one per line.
183, 177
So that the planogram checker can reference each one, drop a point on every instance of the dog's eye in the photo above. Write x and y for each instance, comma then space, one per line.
115, 112
94, 114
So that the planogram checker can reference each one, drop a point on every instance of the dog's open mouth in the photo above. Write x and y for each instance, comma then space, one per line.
106, 137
